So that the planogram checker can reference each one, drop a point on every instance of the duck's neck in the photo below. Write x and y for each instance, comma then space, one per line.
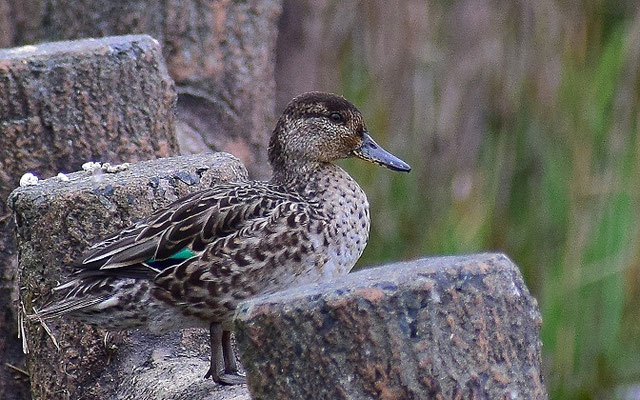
302, 177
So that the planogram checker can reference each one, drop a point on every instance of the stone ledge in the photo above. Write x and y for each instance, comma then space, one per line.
56, 220
448, 327
110, 97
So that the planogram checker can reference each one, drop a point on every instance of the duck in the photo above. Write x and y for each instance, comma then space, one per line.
192, 263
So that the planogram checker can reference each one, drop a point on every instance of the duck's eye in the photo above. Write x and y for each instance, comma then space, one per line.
337, 118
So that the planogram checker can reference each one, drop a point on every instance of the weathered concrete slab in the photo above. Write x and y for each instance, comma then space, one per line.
220, 53
62, 104
109, 97
441, 328
56, 221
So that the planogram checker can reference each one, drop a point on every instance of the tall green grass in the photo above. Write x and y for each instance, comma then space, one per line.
556, 188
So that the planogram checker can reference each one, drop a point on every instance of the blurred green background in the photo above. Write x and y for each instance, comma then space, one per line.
520, 120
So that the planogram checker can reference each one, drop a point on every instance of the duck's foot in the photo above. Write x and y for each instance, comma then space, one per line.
222, 354
227, 378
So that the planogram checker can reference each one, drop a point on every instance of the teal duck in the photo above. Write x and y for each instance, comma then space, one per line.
192, 263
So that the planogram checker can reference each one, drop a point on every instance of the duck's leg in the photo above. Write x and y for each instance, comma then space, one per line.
215, 338
230, 363
220, 348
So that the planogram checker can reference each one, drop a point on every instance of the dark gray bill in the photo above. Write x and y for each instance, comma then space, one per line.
370, 151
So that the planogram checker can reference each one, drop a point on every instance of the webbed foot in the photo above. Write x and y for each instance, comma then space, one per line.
228, 378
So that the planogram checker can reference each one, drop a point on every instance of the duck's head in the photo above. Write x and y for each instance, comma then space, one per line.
318, 128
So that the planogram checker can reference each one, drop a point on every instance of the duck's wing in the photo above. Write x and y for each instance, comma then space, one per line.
184, 228
269, 253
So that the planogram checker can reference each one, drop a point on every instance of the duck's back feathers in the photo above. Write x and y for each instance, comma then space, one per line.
192, 222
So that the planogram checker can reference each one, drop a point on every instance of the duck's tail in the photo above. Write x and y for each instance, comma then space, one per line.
66, 306
111, 303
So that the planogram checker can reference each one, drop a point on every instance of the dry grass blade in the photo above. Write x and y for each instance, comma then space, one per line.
21, 329
46, 329
17, 369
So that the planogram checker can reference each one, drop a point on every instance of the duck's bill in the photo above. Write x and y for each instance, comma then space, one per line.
370, 151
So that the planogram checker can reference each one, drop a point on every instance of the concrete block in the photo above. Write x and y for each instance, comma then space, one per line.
220, 53
442, 328
56, 221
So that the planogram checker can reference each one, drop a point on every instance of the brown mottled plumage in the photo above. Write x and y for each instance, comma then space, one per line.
191, 263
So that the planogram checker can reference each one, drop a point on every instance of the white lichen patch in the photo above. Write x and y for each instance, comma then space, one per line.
112, 169
62, 177
91, 166
106, 167
28, 179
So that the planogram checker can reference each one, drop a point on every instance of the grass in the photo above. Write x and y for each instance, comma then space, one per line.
555, 186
